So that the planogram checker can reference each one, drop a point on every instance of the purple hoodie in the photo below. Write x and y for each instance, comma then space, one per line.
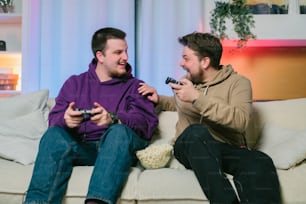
117, 95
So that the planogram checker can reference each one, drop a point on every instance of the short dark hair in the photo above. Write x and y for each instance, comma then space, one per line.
100, 37
206, 45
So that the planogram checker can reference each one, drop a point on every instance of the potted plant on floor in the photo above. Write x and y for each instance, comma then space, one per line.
242, 19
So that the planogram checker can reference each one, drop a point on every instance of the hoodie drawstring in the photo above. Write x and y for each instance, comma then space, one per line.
205, 93
205, 90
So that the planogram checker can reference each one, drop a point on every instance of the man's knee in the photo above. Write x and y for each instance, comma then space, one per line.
195, 132
193, 136
258, 162
195, 128
118, 135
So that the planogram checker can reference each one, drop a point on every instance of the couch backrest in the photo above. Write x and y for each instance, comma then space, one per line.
283, 113
50, 103
286, 113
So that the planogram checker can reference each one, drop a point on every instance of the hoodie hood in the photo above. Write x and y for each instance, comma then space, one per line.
221, 75
93, 75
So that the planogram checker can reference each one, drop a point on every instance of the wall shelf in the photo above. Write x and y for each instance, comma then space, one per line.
11, 33
10, 18
276, 27
291, 26
6, 93
268, 43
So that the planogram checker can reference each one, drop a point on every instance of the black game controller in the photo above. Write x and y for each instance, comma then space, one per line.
85, 112
169, 79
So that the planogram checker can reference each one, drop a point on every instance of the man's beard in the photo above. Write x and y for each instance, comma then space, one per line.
195, 78
117, 74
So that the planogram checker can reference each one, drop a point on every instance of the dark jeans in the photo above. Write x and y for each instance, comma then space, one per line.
253, 172
111, 157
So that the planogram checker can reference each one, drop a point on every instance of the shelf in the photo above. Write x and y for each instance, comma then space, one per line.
276, 27
290, 26
11, 33
9, 53
267, 43
7, 93
13, 61
10, 18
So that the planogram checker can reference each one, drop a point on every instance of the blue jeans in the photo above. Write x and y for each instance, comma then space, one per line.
111, 157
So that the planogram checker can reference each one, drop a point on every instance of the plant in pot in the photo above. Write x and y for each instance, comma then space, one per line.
7, 5
242, 19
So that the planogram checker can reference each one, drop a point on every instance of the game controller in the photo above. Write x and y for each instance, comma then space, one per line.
169, 79
85, 112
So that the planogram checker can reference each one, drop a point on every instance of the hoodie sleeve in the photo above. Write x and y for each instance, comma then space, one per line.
234, 113
139, 115
65, 96
166, 103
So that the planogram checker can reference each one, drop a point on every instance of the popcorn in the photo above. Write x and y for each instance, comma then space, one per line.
155, 156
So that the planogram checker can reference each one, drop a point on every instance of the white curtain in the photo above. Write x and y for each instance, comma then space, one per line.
57, 35
160, 24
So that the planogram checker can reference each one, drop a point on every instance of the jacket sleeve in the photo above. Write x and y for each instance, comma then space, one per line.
166, 103
234, 113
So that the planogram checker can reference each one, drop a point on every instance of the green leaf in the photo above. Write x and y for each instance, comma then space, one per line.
241, 18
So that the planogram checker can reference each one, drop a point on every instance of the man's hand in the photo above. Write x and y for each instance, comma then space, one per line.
72, 117
185, 92
100, 116
148, 91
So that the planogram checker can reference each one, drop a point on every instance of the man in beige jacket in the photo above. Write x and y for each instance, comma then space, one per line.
214, 105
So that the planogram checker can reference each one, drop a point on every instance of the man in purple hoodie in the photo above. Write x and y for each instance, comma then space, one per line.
100, 120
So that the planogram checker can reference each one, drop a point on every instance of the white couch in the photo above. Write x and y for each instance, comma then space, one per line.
273, 122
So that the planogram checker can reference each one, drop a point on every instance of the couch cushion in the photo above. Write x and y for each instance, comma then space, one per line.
15, 179
284, 113
292, 182
282, 126
23, 121
285, 146
172, 184
166, 128
79, 181
12, 107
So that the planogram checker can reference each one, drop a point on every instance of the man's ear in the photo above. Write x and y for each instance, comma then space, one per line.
99, 56
205, 62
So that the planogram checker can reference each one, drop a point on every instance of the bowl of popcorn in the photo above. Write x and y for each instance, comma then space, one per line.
155, 156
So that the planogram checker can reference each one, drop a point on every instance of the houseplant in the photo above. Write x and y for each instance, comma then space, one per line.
242, 19
7, 5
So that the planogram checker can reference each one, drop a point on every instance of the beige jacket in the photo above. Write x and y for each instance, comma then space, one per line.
224, 107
